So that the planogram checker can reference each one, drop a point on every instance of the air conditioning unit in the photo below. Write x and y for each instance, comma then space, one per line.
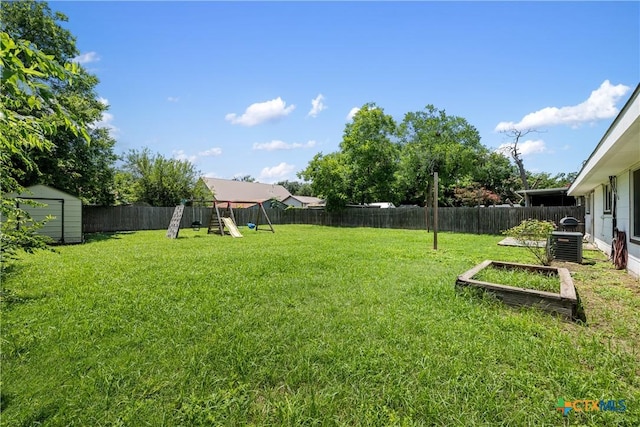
566, 246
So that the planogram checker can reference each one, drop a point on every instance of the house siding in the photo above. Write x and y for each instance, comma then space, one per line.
291, 201
633, 245
603, 223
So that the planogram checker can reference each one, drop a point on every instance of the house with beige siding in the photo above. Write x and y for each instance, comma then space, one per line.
303, 202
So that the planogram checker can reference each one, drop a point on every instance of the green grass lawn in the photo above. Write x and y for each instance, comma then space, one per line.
307, 326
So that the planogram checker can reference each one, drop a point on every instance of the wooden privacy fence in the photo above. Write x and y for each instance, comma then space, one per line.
101, 219
460, 220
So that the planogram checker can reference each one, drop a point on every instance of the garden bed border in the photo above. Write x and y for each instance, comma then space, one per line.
564, 303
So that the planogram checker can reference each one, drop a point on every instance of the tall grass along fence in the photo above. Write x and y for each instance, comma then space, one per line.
460, 220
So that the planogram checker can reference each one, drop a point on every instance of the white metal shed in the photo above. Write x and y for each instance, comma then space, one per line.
66, 227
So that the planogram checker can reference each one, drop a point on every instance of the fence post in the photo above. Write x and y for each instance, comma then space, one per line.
435, 210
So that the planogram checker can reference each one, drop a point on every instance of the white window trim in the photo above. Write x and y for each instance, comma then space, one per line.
607, 199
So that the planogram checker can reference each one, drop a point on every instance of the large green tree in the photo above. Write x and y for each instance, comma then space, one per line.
328, 175
297, 188
433, 141
155, 180
363, 170
495, 173
70, 164
371, 155
540, 180
30, 115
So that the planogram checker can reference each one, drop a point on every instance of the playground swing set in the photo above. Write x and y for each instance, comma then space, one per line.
222, 217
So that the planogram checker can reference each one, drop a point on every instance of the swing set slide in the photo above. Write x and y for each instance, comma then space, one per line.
231, 226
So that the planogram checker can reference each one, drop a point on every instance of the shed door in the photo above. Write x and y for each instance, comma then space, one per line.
53, 228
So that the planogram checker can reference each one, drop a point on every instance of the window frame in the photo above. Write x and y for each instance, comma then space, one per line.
607, 199
587, 204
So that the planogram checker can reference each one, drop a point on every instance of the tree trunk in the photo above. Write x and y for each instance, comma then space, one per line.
523, 177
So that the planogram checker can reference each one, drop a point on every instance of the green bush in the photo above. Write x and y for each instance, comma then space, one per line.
18, 231
534, 234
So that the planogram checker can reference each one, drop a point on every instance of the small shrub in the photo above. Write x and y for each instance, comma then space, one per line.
532, 233
18, 232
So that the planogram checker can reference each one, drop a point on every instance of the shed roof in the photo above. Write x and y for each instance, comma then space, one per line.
242, 191
41, 190
544, 191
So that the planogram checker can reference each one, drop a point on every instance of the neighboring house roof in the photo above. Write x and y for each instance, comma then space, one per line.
306, 200
544, 191
618, 150
548, 196
242, 191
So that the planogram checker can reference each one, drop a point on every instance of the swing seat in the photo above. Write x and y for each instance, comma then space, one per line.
196, 225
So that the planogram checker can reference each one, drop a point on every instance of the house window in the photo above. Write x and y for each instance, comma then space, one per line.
606, 199
587, 204
635, 203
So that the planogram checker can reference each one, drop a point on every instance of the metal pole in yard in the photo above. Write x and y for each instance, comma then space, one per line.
435, 210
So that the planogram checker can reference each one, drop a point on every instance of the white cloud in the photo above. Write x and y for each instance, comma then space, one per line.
86, 58
182, 156
106, 119
172, 98
600, 105
276, 173
352, 113
527, 147
261, 112
317, 105
212, 152
192, 158
281, 145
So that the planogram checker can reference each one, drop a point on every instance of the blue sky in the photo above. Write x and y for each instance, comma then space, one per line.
258, 88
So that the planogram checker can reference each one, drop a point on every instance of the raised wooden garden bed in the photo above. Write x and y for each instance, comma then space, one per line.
564, 303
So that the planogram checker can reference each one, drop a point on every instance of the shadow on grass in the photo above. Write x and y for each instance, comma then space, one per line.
5, 399
101, 237
9, 268
8, 298
490, 299
197, 236
589, 260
